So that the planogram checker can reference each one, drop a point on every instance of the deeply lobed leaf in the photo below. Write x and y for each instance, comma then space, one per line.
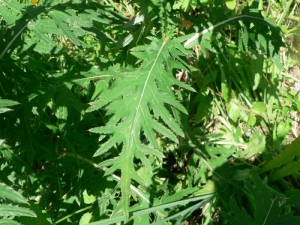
141, 102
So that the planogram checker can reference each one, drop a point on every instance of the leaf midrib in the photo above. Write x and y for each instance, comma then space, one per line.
144, 88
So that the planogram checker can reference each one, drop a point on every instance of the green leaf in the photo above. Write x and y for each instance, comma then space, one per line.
62, 114
42, 217
289, 169
8, 222
9, 15
287, 155
59, 19
208, 188
141, 102
10, 210
234, 220
258, 108
225, 92
6, 102
88, 199
85, 219
15, 6
282, 129
233, 111
268, 209
256, 145
3, 110
230, 4
8, 193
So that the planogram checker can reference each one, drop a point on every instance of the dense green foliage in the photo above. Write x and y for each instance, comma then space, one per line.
149, 112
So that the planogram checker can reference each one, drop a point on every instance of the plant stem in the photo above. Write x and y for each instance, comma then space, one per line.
72, 214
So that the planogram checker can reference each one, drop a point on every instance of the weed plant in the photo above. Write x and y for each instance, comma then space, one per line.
149, 112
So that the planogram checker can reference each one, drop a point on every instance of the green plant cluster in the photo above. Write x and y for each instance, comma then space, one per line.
149, 112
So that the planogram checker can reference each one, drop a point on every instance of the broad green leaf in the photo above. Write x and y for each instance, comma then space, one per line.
145, 175
282, 129
140, 104
8, 193
289, 169
208, 188
44, 26
287, 155
233, 111
258, 108
15, 6
241, 174
59, 19
141, 220
251, 120
230, 4
88, 199
85, 219
256, 145
262, 41
46, 48
9, 15
42, 36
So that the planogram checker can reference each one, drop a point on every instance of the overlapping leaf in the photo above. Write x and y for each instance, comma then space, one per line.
141, 103
59, 20
10, 211
284, 163
267, 207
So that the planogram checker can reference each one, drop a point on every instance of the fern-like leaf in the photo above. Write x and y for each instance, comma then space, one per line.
140, 103
11, 210
8, 193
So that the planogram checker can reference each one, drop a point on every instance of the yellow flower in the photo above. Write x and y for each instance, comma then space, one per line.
34, 2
